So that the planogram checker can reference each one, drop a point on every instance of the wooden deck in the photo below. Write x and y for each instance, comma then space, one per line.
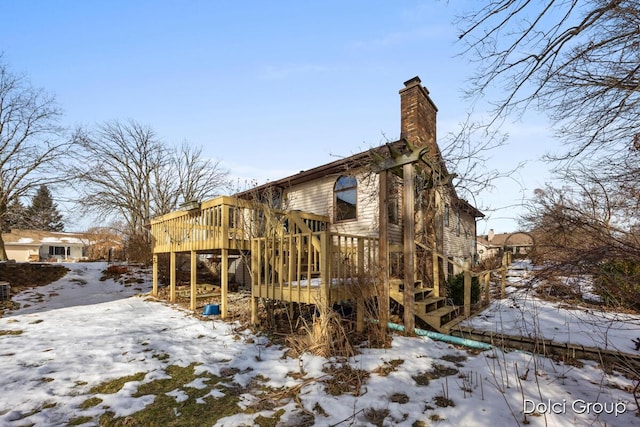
294, 257
220, 223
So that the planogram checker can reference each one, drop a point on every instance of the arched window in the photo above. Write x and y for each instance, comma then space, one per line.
345, 198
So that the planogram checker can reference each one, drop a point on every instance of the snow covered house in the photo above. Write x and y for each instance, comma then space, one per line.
35, 245
367, 226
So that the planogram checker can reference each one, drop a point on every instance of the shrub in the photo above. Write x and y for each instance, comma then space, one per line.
455, 289
618, 283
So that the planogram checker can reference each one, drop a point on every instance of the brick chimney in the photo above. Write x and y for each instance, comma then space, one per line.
491, 235
418, 115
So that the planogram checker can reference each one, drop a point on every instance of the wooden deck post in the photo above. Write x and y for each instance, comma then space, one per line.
325, 266
383, 250
224, 282
193, 270
436, 272
487, 295
503, 282
224, 261
154, 290
255, 273
360, 293
467, 289
409, 248
172, 277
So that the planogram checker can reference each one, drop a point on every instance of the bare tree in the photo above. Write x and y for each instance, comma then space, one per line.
578, 61
188, 176
467, 155
587, 227
31, 143
115, 168
125, 171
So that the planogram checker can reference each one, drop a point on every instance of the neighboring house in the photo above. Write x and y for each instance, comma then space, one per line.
491, 245
34, 245
307, 237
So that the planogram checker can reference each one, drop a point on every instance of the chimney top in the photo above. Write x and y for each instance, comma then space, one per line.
412, 82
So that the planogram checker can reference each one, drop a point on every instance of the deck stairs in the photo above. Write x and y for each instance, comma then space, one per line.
433, 310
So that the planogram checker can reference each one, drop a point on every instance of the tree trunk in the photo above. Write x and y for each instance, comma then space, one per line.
3, 252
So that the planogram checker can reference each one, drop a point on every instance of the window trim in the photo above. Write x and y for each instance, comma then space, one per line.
353, 188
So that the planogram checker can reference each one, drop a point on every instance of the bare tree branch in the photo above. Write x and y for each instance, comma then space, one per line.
31, 143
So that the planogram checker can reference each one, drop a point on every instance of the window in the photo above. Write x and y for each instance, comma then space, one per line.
393, 203
59, 250
345, 198
446, 215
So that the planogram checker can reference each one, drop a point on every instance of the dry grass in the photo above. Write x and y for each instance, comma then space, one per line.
324, 336
343, 379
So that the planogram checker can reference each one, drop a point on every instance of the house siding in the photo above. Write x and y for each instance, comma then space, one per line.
318, 197
459, 236
21, 253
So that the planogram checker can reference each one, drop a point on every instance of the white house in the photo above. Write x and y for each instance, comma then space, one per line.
35, 245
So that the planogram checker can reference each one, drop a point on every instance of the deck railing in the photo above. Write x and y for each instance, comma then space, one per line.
311, 267
226, 223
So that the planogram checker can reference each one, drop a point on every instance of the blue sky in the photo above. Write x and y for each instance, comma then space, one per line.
268, 88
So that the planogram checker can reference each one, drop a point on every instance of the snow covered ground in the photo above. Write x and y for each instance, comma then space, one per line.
524, 313
79, 332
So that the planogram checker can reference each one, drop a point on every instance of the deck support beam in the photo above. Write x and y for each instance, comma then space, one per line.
383, 248
361, 288
172, 277
193, 270
255, 262
467, 289
409, 247
436, 270
154, 270
224, 282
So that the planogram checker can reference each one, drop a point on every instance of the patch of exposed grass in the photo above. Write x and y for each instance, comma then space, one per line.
319, 410
376, 416
345, 379
436, 418
443, 401
90, 403
47, 405
79, 421
438, 371
113, 386
163, 357
16, 332
197, 410
455, 359
388, 367
399, 398
271, 421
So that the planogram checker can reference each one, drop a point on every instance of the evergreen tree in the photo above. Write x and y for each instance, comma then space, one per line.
43, 213
15, 217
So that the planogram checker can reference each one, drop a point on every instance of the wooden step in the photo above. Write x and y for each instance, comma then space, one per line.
429, 304
437, 318
447, 327
396, 290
